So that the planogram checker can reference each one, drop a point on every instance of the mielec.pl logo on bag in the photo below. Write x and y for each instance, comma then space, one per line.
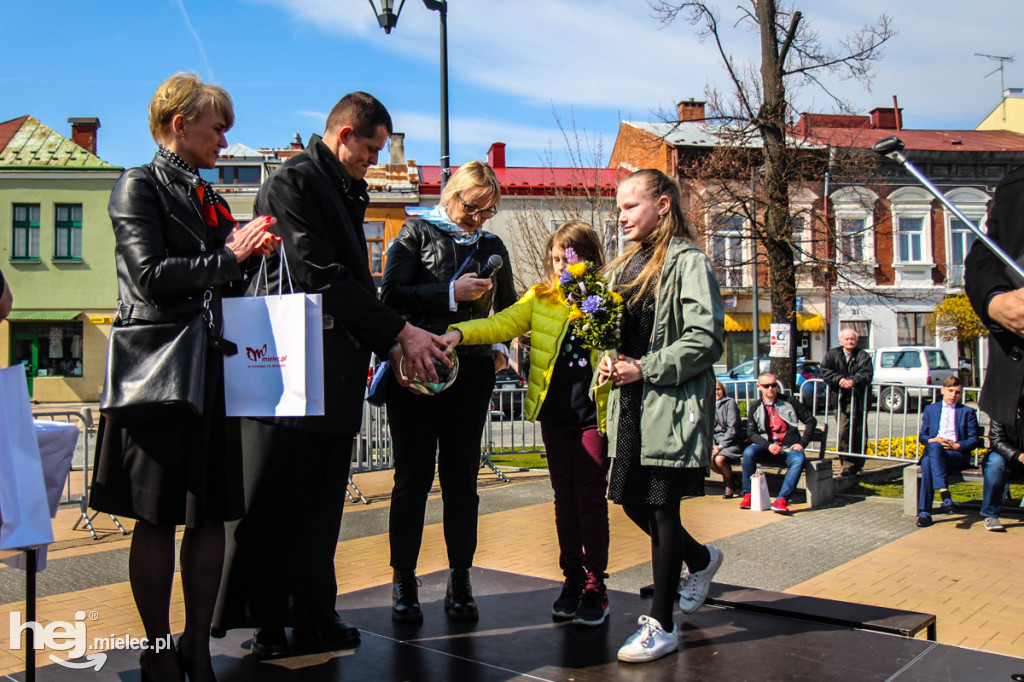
260, 357
71, 637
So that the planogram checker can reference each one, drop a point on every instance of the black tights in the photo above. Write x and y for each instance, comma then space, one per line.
671, 546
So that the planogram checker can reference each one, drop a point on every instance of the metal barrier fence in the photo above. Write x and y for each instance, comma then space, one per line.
506, 430
83, 420
891, 421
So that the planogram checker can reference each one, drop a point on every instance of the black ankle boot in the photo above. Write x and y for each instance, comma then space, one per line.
458, 601
405, 602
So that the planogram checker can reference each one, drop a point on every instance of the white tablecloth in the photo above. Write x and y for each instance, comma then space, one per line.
57, 442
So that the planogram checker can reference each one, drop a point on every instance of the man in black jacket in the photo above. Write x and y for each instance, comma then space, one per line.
848, 372
281, 565
998, 299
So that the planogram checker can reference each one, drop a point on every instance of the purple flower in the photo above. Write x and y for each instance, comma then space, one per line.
592, 304
570, 255
565, 277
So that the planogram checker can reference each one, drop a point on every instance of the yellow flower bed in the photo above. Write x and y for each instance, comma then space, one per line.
897, 448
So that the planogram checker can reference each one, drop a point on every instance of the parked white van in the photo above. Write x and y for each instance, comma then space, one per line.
903, 372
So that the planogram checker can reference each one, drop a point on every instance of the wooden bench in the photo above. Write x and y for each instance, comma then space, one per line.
817, 610
912, 484
817, 478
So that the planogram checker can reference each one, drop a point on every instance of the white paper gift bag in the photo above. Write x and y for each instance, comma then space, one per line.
279, 368
759, 500
24, 510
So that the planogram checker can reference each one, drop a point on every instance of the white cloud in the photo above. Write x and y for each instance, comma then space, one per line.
609, 54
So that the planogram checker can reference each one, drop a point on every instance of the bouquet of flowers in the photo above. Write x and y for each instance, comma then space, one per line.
595, 310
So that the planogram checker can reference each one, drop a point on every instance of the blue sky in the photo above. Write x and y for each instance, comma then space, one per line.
515, 65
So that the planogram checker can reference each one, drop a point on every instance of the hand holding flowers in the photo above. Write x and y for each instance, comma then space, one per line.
594, 309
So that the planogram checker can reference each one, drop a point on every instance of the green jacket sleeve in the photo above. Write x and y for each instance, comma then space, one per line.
509, 323
693, 341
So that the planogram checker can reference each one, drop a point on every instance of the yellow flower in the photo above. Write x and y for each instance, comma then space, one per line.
575, 313
577, 269
615, 296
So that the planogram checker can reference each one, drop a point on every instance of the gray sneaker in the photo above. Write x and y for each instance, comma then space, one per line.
693, 587
993, 523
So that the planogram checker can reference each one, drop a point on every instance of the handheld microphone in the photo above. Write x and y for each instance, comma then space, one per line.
494, 264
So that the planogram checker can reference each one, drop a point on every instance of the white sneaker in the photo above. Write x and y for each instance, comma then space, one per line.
693, 587
649, 642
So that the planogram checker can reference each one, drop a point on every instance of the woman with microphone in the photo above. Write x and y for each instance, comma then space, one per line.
442, 269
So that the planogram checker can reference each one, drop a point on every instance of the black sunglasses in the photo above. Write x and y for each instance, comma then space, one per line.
773, 385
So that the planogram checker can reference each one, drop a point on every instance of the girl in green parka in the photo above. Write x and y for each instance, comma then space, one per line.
561, 372
661, 412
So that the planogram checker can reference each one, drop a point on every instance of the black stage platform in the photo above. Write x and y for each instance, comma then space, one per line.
516, 639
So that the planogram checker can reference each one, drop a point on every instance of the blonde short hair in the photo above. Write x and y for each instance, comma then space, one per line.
472, 174
188, 95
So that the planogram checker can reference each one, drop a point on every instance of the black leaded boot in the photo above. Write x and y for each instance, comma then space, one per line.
458, 601
405, 604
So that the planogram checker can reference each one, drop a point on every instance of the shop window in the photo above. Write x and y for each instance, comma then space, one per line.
25, 242
48, 349
67, 242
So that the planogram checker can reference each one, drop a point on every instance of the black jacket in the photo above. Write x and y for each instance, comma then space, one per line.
834, 368
792, 413
420, 266
166, 256
319, 210
1006, 439
985, 275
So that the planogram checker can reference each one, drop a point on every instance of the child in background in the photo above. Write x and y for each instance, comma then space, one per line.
661, 413
561, 372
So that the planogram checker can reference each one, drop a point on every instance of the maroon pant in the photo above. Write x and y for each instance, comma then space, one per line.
578, 465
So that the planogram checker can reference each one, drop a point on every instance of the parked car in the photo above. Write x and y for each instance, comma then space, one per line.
507, 398
903, 372
741, 381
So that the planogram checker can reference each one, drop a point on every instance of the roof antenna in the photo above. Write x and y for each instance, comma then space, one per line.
1003, 61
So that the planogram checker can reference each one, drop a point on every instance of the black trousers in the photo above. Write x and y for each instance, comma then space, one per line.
280, 559
447, 426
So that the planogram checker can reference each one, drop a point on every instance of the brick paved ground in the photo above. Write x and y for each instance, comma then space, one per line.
859, 550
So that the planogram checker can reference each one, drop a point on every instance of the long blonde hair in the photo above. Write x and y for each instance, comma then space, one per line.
583, 239
672, 224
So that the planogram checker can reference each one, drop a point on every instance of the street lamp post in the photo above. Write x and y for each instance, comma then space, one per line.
387, 17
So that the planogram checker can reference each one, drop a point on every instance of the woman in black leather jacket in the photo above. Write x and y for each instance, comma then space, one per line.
175, 240
431, 278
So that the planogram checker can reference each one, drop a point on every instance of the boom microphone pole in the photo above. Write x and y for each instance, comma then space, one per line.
892, 148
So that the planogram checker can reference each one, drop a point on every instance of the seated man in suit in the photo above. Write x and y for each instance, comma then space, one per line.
949, 431
774, 431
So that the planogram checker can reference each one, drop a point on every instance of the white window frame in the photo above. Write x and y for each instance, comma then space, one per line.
855, 203
974, 204
730, 227
913, 203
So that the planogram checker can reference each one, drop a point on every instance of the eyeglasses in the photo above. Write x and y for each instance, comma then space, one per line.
476, 210
773, 385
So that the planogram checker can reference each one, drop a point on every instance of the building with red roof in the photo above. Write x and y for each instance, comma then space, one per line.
898, 250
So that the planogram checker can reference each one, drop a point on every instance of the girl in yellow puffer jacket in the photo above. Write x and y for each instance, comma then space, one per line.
558, 396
